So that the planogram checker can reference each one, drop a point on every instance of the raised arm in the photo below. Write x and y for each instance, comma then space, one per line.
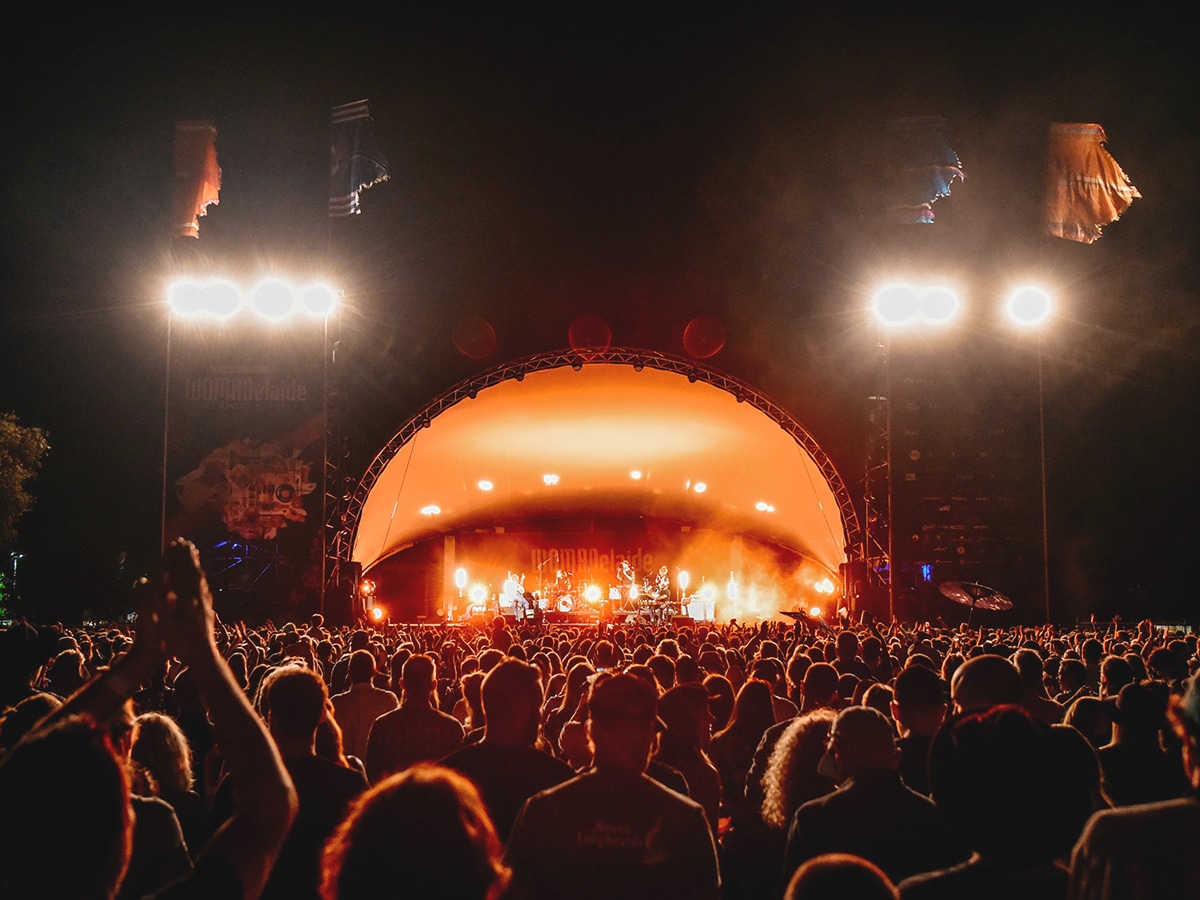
266, 800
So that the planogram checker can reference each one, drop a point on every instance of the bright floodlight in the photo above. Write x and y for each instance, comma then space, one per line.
478, 593
376, 613
184, 298
431, 510
318, 300
896, 304
636, 474
460, 578
592, 593
273, 299
700, 487
1029, 306
484, 485
939, 305
684, 578
549, 479
816, 612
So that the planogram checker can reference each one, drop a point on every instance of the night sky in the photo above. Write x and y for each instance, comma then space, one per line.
645, 167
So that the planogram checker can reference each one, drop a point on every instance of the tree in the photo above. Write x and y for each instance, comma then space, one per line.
21, 450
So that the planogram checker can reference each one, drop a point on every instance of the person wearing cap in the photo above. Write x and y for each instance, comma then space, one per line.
1147, 850
613, 831
1135, 766
872, 814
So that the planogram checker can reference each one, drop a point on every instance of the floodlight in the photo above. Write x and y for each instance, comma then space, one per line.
460, 578
272, 299
684, 578
185, 298
1029, 306
430, 510
938, 305
896, 304
484, 485
318, 300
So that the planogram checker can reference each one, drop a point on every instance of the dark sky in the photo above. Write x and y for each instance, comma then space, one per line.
646, 167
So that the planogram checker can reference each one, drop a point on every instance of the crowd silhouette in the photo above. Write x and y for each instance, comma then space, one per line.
186, 757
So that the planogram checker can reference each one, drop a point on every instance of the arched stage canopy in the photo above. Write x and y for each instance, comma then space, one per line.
621, 433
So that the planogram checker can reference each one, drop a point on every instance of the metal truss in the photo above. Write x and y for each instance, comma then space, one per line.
347, 526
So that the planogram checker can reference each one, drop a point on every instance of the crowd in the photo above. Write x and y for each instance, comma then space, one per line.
194, 758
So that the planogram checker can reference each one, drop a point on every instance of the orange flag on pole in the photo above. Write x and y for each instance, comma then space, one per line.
197, 176
1085, 187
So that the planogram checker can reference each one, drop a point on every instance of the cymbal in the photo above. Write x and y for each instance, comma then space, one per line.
975, 595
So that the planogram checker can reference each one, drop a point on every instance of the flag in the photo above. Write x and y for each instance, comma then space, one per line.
1085, 187
924, 168
355, 163
197, 176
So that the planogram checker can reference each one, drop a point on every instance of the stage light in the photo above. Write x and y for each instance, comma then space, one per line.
318, 300
731, 590
367, 587
549, 479
184, 298
478, 593
484, 485
899, 305
636, 474
708, 592
939, 305
824, 586
684, 578
700, 487
895, 304
272, 299
377, 613
592, 593
816, 612
633, 591
431, 510
1029, 306
762, 506
460, 578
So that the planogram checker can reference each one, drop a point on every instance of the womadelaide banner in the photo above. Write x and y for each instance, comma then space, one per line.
244, 434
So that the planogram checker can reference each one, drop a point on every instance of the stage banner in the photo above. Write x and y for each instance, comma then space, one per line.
244, 441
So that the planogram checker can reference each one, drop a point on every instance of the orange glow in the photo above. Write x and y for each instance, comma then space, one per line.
586, 433
377, 613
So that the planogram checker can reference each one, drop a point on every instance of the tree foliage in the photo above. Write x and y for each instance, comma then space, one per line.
21, 450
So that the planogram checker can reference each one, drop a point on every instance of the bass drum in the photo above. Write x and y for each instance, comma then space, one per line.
565, 603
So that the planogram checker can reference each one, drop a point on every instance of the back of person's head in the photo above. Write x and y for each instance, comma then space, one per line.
162, 749
847, 645
862, 739
1138, 711
687, 670
663, 668
68, 825
22, 717
421, 833
293, 699
419, 675
1115, 673
840, 876
622, 720
362, 667
820, 684
1090, 717
791, 778
753, 712
1000, 777
985, 681
512, 697
1029, 666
